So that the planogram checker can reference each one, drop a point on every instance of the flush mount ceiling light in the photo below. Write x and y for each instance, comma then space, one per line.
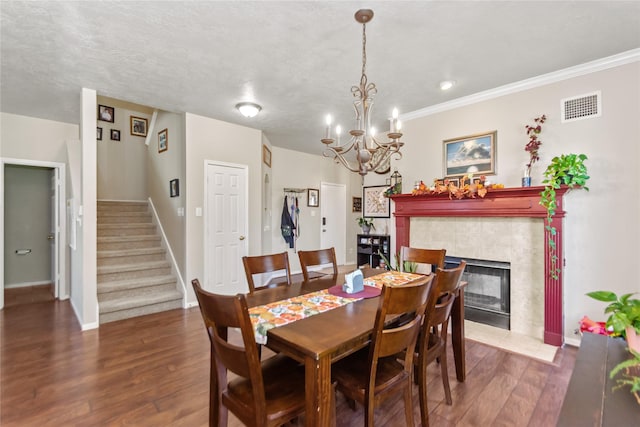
447, 84
371, 154
248, 109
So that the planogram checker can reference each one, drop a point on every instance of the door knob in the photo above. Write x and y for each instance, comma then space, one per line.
50, 237
241, 237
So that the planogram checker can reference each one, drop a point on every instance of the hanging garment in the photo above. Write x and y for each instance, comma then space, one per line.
287, 227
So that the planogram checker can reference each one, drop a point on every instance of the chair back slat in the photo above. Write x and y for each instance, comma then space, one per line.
433, 257
317, 257
408, 299
260, 264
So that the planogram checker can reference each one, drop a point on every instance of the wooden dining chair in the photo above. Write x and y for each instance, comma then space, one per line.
432, 344
268, 393
373, 374
434, 257
317, 257
266, 264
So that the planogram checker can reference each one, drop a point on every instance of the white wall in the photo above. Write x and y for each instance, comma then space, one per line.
122, 164
162, 167
293, 169
210, 139
602, 229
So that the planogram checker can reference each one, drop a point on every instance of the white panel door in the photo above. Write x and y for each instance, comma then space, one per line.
333, 211
225, 228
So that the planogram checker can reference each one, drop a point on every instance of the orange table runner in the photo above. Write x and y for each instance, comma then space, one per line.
279, 313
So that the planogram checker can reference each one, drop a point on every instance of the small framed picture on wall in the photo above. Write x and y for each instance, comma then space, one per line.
115, 135
163, 140
313, 197
106, 114
174, 188
99, 134
357, 204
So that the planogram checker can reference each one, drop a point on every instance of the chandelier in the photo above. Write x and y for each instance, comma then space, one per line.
371, 154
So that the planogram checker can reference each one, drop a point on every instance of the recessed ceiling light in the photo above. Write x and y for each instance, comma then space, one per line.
447, 84
248, 109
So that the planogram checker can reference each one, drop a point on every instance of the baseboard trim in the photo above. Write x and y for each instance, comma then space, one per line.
27, 284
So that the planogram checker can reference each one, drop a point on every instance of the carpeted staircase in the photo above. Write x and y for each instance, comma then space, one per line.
134, 274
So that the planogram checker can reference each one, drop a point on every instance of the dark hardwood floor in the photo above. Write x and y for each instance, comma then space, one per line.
153, 371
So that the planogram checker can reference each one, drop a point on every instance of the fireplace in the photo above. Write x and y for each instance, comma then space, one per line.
499, 203
487, 296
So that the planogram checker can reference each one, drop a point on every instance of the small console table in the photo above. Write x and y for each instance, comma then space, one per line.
590, 400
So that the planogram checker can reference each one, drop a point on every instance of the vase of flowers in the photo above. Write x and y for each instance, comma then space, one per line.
532, 147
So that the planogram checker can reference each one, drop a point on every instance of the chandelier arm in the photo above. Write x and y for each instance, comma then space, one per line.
340, 159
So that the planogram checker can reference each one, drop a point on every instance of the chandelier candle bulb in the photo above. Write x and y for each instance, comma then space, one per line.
393, 123
328, 121
338, 132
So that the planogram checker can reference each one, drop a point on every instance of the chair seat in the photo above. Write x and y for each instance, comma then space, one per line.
353, 372
283, 379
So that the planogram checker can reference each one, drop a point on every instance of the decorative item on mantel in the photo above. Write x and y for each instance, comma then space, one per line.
568, 170
467, 187
395, 184
532, 147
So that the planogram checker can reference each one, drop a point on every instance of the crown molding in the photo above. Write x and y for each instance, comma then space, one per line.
542, 80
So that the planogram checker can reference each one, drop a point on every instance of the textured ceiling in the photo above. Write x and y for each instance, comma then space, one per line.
297, 59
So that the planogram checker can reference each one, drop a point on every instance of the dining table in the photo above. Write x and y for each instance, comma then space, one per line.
319, 339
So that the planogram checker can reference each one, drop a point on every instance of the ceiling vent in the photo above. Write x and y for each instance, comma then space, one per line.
581, 107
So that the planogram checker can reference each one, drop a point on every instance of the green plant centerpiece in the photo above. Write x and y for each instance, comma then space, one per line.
366, 224
569, 170
624, 321
408, 266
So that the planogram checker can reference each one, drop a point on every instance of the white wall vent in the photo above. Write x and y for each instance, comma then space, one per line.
581, 107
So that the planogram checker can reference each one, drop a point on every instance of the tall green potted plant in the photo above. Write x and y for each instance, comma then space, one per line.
569, 170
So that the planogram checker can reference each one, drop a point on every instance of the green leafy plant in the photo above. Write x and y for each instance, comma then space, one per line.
409, 266
568, 170
365, 222
623, 311
629, 371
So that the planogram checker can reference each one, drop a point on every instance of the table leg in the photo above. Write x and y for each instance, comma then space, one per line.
318, 392
457, 335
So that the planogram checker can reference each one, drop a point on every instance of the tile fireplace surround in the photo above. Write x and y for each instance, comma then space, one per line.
506, 225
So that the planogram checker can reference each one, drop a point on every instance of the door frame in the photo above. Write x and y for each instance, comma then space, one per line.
207, 250
59, 249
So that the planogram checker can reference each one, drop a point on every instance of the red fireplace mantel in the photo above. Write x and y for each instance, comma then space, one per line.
506, 202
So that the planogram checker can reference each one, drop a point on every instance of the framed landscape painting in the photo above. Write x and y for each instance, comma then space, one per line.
473, 154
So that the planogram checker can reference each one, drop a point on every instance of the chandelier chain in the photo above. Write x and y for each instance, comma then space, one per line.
364, 49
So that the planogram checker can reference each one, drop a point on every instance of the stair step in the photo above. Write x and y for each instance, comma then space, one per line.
109, 243
139, 305
112, 273
114, 206
108, 217
144, 282
132, 293
130, 256
141, 229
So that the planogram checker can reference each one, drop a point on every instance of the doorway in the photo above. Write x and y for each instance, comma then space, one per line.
33, 225
334, 223
225, 227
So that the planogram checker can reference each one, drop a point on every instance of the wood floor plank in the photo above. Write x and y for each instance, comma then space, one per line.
154, 371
